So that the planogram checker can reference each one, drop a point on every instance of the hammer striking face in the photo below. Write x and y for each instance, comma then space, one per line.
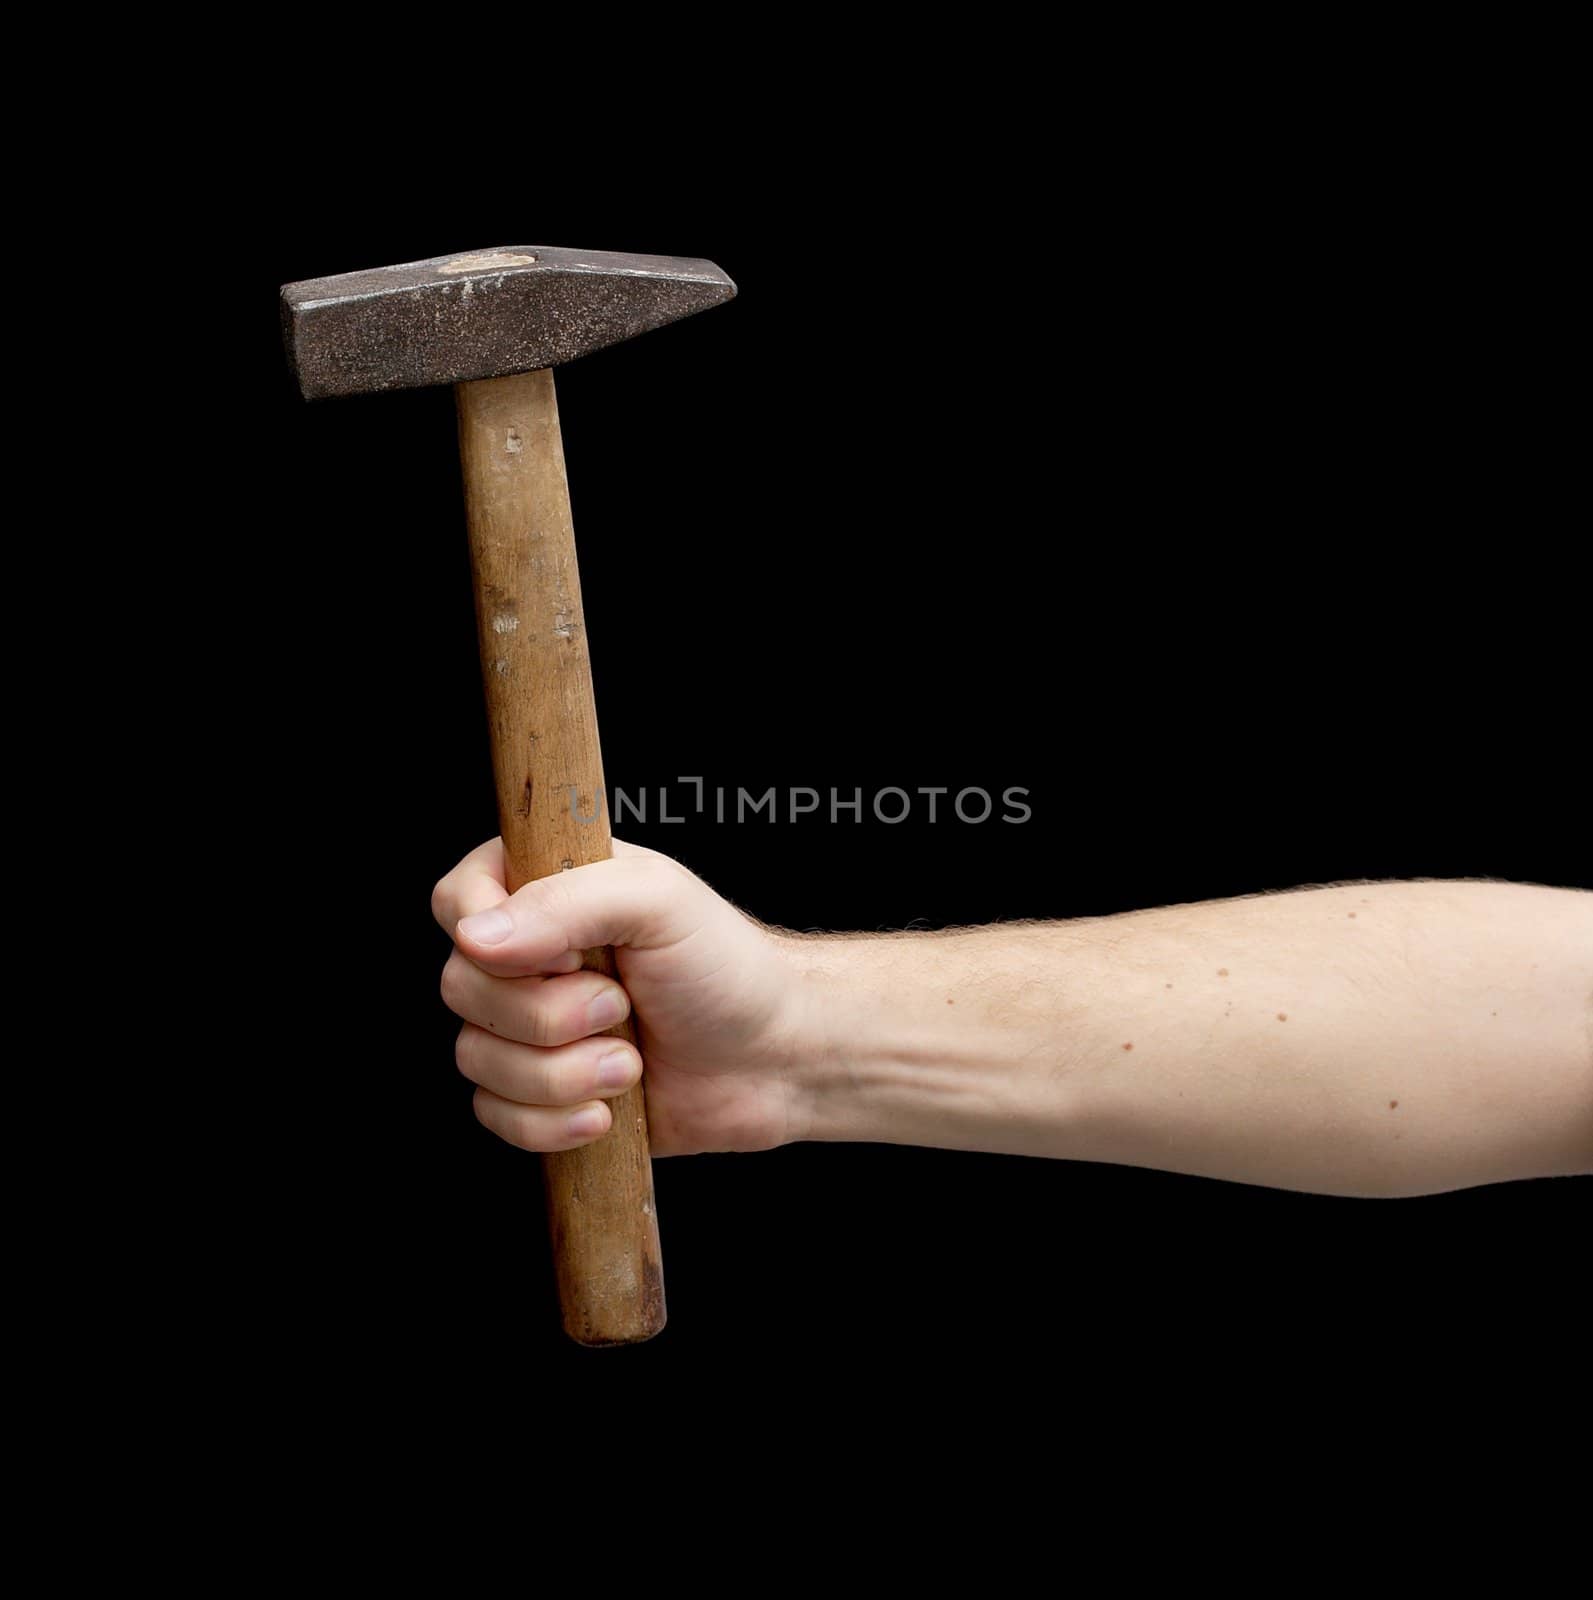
482, 315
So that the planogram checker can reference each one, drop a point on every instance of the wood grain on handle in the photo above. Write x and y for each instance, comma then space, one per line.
538, 679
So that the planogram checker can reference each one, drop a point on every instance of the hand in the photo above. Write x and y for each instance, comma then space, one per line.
718, 1007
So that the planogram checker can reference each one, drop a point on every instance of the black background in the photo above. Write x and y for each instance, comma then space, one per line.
1221, 507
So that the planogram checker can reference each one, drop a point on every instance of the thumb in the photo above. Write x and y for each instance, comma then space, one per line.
639, 899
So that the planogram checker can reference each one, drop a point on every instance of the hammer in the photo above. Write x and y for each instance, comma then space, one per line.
494, 324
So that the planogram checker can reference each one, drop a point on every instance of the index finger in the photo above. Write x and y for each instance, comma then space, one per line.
476, 884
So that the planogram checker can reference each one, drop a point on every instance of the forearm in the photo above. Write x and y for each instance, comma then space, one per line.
1383, 1039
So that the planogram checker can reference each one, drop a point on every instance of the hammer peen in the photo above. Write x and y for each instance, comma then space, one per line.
494, 324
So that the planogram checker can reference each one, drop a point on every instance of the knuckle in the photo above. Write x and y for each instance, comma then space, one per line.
451, 985
674, 872
466, 1047
530, 1132
554, 897
483, 1110
540, 1026
518, 1130
654, 871
510, 1129
440, 897
561, 1083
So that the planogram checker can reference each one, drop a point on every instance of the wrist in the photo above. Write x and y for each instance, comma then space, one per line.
841, 1049
918, 1039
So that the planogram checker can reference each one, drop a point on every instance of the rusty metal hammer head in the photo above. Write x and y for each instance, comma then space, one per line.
482, 315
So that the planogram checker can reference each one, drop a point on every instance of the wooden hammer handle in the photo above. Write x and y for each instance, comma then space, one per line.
551, 807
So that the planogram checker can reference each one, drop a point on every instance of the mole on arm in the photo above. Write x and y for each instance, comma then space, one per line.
1129, 1045
1392, 1104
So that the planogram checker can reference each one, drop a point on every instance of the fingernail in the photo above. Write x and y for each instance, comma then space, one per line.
616, 1068
487, 927
607, 1009
570, 961
585, 1123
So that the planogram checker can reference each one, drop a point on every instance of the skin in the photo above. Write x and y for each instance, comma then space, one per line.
1376, 1039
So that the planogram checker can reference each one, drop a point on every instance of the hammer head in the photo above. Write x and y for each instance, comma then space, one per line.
482, 315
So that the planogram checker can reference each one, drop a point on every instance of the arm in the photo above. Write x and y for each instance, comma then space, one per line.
1386, 1039
1382, 1039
